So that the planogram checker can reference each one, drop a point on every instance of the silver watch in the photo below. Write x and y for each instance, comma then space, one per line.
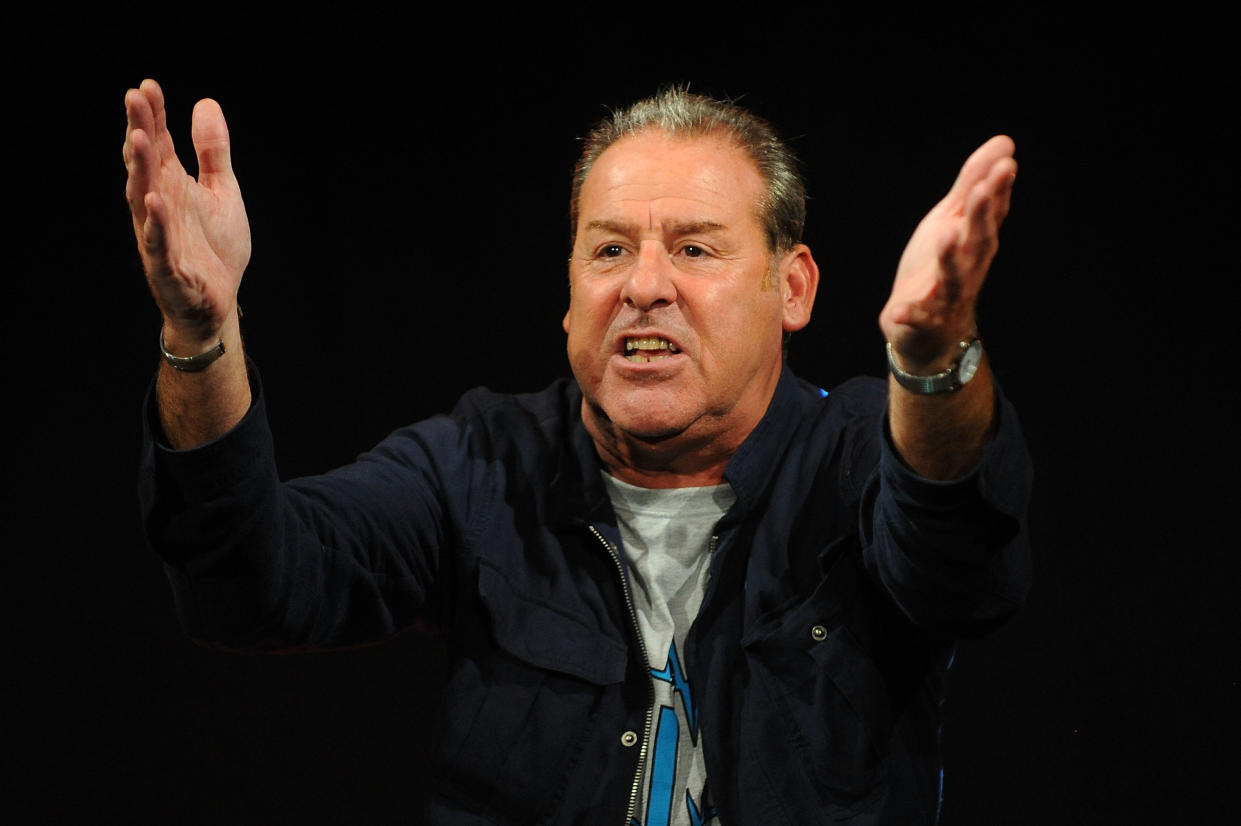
955, 377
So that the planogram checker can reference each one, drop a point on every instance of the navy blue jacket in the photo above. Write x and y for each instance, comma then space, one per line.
838, 582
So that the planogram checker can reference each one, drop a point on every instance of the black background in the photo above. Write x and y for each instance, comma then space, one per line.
407, 180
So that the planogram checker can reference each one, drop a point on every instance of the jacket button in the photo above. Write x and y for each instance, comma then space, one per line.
629, 738
818, 633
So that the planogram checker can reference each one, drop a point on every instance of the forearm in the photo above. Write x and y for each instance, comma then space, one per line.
198, 407
321, 561
942, 436
954, 554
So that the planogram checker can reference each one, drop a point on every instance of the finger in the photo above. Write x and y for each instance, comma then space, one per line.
140, 164
210, 133
981, 234
980, 162
1007, 175
154, 235
155, 99
145, 112
138, 112
986, 207
126, 150
159, 115
952, 242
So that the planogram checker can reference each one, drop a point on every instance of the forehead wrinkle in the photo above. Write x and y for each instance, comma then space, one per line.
620, 227
671, 226
695, 227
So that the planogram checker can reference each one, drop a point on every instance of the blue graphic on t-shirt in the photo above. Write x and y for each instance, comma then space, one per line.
663, 768
697, 818
672, 673
664, 753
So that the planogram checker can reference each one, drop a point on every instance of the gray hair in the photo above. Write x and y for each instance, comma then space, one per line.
678, 113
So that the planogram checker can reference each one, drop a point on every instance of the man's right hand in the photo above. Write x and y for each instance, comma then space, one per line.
193, 235
194, 239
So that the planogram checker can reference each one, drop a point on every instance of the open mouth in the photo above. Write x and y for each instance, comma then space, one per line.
651, 348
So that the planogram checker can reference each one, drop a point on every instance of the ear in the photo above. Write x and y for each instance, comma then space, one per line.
564, 322
799, 282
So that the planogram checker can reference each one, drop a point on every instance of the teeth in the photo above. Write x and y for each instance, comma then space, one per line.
648, 344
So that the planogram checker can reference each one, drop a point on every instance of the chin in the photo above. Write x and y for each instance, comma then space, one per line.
652, 432
650, 417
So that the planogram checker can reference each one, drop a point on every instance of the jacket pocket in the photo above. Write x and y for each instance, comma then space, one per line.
821, 688
526, 686
546, 636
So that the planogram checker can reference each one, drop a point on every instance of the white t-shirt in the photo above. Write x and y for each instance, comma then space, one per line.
666, 536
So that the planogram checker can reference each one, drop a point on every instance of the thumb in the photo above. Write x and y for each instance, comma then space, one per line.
210, 134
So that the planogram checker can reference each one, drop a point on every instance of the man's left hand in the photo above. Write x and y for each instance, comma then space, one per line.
946, 261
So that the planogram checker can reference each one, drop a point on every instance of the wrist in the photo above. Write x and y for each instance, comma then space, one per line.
183, 342
923, 351
192, 348
196, 331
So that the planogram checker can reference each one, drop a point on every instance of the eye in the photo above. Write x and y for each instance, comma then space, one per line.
691, 251
611, 251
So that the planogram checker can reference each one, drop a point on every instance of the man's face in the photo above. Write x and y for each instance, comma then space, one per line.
676, 317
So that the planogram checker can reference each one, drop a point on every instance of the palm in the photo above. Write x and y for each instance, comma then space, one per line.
945, 263
193, 235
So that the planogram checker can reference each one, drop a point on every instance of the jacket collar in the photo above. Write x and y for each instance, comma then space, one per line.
578, 494
751, 468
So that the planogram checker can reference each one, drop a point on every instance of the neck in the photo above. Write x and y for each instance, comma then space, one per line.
681, 460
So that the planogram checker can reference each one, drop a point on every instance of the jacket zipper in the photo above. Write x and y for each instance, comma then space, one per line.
706, 586
646, 670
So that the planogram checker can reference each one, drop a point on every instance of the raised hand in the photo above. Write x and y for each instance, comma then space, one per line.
194, 239
944, 265
193, 235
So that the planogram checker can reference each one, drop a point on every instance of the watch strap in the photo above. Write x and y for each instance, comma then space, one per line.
945, 381
191, 364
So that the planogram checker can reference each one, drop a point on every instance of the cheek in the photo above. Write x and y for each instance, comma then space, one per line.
586, 328
744, 334
589, 313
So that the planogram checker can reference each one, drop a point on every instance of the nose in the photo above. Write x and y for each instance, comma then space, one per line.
650, 281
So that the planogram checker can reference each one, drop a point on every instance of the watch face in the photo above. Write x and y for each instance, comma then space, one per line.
969, 362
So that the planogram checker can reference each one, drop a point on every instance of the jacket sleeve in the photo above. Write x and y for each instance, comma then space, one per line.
955, 555
347, 557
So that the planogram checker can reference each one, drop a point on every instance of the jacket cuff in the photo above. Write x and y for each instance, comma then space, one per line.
210, 470
1002, 478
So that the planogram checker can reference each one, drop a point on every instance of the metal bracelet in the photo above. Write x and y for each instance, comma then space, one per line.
191, 364
944, 381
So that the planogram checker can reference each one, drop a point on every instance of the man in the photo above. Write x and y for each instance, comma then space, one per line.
684, 587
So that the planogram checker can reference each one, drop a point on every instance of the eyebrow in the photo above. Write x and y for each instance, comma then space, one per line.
677, 228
